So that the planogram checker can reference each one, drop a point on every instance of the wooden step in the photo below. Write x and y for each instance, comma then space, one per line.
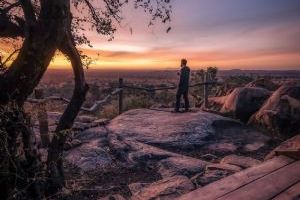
293, 193
237, 180
268, 186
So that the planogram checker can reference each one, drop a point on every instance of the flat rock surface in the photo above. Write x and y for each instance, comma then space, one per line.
224, 167
186, 133
90, 153
241, 161
168, 188
208, 177
180, 130
180, 166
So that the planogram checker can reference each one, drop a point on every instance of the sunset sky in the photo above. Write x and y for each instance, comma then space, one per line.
245, 34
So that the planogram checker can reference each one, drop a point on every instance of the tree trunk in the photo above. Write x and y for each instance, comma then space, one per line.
42, 39
55, 152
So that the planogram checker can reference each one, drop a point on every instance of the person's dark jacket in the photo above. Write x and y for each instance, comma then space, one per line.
184, 78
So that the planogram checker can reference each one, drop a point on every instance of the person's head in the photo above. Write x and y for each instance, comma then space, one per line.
183, 62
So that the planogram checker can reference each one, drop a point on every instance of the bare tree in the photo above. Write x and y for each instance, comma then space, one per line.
43, 27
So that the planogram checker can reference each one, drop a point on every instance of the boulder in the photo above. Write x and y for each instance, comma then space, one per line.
181, 132
202, 179
253, 146
263, 83
224, 167
280, 115
85, 119
242, 102
91, 152
240, 161
223, 147
164, 129
53, 118
183, 165
80, 126
135, 188
143, 135
101, 122
89, 156
168, 188
91, 134
289, 148
113, 197
72, 144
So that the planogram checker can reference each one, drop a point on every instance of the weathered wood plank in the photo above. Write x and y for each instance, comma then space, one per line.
292, 193
268, 186
228, 184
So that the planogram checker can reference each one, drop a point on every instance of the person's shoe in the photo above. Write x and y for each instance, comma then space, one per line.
188, 110
176, 111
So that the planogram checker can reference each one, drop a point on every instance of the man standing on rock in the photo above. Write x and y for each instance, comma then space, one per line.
183, 87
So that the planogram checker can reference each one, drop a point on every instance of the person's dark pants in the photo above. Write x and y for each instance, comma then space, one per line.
185, 94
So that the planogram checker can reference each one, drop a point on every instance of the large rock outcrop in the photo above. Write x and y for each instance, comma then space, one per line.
165, 129
183, 132
280, 115
145, 135
164, 139
242, 102
151, 154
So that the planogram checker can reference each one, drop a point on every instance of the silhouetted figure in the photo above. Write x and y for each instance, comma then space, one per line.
183, 87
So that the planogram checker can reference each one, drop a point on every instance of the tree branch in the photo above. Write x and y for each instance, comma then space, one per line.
28, 11
8, 28
93, 109
3, 63
11, 6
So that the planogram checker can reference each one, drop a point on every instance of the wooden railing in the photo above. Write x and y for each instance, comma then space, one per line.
205, 85
98, 105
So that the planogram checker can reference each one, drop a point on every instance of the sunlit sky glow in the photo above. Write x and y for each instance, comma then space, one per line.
245, 34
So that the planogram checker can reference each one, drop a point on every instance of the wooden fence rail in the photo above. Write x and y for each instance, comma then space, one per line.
93, 109
96, 107
205, 85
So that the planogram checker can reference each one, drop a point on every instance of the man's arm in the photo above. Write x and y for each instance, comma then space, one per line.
179, 72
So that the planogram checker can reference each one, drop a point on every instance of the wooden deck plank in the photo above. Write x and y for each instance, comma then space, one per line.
230, 183
293, 193
268, 186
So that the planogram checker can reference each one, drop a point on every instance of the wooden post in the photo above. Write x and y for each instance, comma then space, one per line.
205, 90
43, 118
121, 96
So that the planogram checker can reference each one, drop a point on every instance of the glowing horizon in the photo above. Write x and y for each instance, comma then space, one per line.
159, 59
229, 34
